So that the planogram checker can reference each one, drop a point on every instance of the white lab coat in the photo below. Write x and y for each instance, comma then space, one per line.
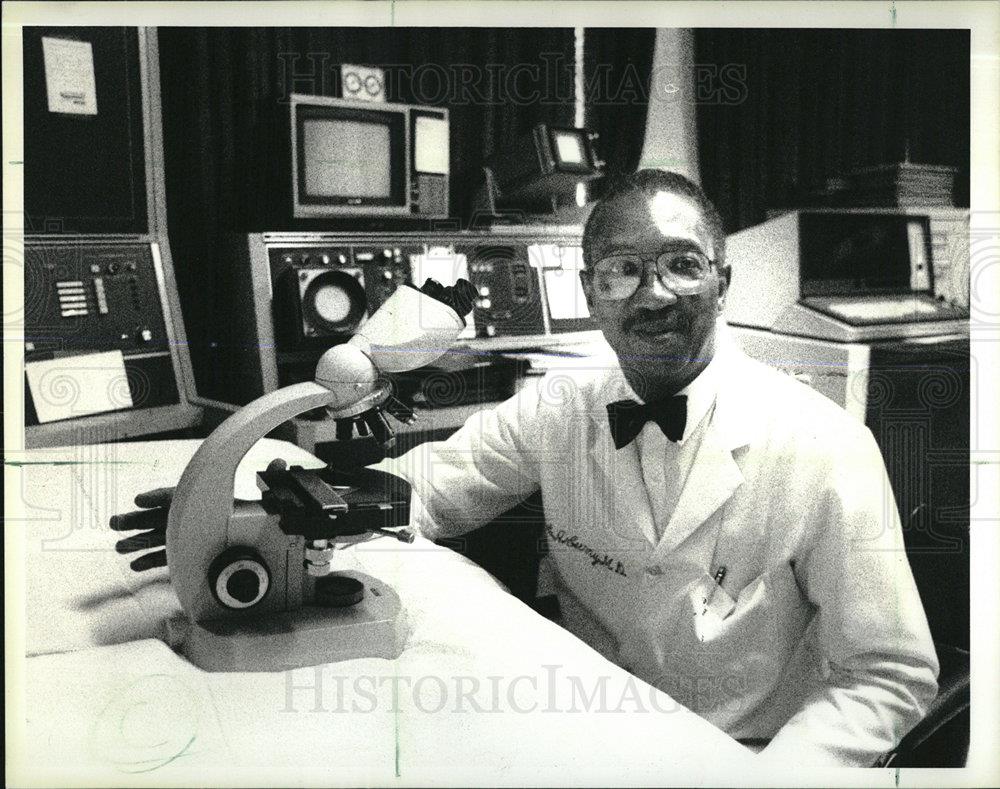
816, 637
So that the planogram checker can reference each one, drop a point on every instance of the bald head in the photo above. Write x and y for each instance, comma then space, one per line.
648, 184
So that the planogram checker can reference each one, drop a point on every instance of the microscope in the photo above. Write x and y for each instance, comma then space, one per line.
255, 578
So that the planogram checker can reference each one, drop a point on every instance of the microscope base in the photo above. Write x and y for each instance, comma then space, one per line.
308, 636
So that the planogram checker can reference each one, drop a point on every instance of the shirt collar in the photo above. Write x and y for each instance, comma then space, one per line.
701, 394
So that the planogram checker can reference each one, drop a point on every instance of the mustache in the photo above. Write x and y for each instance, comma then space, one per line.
678, 318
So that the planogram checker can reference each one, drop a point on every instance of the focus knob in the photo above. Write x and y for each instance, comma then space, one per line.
239, 578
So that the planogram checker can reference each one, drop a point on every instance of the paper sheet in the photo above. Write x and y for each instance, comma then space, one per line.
561, 266
447, 267
75, 386
440, 263
69, 76
431, 146
565, 295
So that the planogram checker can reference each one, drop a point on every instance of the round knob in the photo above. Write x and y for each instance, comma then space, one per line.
239, 578
324, 259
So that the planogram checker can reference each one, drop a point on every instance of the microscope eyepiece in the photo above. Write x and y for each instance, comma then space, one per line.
459, 296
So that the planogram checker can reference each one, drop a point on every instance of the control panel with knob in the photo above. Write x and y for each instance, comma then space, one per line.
93, 298
323, 305
339, 279
508, 300
92, 305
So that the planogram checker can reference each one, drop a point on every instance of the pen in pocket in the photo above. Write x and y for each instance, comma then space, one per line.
720, 575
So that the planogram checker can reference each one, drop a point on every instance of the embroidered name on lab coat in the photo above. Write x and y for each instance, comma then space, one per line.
596, 559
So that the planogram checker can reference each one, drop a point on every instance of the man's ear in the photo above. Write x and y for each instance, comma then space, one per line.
725, 277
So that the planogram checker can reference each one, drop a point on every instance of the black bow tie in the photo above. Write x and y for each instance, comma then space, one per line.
628, 417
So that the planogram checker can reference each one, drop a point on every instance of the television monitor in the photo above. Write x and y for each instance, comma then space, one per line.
546, 161
571, 151
357, 158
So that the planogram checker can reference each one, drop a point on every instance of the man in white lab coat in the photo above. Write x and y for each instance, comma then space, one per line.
732, 540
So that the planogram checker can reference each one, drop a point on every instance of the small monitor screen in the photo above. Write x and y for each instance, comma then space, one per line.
431, 145
346, 158
569, 148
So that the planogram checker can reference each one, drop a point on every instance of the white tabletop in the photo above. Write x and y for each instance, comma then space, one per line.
486, 692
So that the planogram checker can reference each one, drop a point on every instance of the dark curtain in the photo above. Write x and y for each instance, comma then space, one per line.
781, 111
224, 93
617, 65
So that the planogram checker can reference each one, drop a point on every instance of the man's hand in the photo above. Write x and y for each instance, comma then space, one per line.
152, 518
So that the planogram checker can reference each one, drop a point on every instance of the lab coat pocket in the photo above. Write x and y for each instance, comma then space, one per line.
710, 604
766, 608
706, 647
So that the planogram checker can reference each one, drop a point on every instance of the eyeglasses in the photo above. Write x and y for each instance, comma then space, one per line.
618, 276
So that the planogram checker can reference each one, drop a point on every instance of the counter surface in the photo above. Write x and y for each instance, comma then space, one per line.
485, 691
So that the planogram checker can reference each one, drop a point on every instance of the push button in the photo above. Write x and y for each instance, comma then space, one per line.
102, 298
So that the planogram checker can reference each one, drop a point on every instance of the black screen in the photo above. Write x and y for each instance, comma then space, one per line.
856, 254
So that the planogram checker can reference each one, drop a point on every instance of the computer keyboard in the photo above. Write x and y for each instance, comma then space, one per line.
890, 309
884, 309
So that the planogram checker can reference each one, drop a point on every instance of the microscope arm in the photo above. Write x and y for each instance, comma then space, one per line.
412, 328
203, 500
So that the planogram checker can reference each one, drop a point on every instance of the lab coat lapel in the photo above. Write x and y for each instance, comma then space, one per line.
715, 474
713, 478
